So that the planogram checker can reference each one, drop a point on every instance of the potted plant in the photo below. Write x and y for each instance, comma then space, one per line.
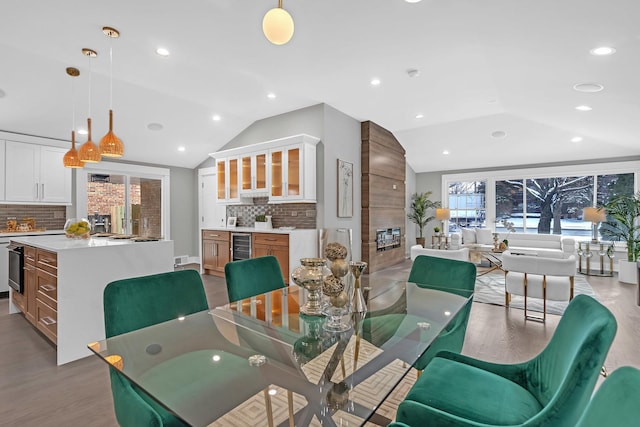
263, 222
419, 212
622, 225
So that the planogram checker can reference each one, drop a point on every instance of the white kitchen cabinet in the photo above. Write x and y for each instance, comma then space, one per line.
290, 165
2, 162
253, 174
35, 174
228, 180
293, 173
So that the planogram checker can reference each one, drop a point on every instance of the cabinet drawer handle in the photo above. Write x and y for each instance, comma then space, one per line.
214, 235
268, 239
48, 288
48, 321
47, 261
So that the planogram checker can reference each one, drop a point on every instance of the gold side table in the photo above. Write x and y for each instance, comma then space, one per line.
588, 250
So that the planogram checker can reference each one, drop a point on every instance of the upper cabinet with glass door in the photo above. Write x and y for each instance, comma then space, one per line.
253, 175
228, 170
282, 169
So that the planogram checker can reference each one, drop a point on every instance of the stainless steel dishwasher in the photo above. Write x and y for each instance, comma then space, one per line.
240, 246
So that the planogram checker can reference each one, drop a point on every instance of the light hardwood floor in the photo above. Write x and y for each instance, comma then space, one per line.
36, 392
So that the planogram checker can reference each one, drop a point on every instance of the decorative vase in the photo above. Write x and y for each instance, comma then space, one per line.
335, 246
310, 275
358, 303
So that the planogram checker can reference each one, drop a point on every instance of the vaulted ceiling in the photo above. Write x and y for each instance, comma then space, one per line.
484, 67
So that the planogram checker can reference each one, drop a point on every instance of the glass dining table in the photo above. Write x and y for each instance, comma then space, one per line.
259, 361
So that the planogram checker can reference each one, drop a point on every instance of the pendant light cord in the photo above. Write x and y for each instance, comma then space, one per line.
110, 73
90, 78
73, 105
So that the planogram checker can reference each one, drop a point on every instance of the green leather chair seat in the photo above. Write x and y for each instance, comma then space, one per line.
480, 395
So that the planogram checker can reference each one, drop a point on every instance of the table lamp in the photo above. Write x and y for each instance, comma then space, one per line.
443, 214
595, 216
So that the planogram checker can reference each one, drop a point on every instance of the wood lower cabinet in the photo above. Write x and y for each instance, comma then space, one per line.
30, 284
39, 303
216, 250
273, 244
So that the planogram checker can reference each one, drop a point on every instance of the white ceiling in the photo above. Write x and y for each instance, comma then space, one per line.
485, 66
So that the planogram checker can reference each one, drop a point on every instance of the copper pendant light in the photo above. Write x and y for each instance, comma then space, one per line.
110, 144
89, 152
71, 159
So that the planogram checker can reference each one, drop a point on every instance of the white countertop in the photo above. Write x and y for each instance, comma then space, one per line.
256, 230
60, 243
7, 236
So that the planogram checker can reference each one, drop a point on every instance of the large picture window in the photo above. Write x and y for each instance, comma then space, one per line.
545, 200
467, 204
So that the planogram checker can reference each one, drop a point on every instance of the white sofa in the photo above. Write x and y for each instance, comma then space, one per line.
548, 277
481, 240
459, 254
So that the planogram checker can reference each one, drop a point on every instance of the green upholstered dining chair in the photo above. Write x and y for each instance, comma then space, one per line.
253, 276
135, 303
616, 401
552, 389
451, 275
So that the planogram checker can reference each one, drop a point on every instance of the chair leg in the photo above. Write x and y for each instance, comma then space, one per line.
290, 402
544, 298
269, 408
525, 294
570, 288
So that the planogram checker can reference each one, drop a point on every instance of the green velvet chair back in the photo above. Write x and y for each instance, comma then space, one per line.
454, 276
563, 376
447, 273
616, 402
253, 276
551, 389
136, 303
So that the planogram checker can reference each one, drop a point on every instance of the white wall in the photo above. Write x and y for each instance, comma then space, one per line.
411, 229
341, 140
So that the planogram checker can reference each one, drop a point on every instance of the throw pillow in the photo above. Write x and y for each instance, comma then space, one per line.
484, 236
468, 235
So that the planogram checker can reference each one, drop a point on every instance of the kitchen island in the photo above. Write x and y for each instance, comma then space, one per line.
65, 279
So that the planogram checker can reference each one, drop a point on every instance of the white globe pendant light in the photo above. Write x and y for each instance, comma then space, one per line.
277, 25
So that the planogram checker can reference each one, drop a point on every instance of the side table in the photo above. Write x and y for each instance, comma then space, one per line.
588, 250
439, 241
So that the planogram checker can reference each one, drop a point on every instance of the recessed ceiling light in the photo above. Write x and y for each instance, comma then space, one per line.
82, 132
583, 108
413, 1
445, 152
181, 148
271, 95
602, 51
272, 392
216, 118
155, 126
162, 51
588, 87
498, 134
413, 72
576, 139
419, 116
375, 82
2, 93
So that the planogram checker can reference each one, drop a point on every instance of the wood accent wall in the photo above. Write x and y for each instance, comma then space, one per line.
383, 206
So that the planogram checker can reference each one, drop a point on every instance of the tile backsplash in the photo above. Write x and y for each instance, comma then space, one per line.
49, 217
299, 215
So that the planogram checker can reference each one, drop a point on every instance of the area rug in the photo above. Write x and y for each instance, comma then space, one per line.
490, 290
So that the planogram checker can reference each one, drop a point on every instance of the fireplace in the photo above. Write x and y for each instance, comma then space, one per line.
387, 238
